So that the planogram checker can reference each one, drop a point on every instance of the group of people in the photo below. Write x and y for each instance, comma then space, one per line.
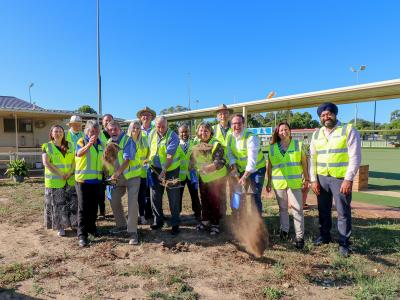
221, 161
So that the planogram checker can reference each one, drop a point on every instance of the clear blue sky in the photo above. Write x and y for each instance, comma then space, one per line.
234, 50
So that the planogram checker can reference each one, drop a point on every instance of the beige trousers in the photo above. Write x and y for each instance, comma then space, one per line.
294, 196
132, 186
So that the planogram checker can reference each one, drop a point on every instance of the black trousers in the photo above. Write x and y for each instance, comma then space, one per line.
194, 195
144, 200
88, 195
330, 190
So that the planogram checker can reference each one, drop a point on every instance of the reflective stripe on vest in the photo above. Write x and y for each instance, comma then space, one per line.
90, 165
134, 168
160, 148
219, 136
241, 154
68, 138
142, 151
185, 157
61, 162
332, 155
287, 169
202, 159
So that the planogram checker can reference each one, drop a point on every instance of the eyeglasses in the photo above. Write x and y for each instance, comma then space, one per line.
136, 128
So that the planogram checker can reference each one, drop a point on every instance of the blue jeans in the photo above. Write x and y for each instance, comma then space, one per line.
256, 183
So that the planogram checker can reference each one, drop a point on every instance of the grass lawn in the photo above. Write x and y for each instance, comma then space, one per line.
376, 199
384, 168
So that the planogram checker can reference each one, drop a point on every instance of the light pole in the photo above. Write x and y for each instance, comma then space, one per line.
357, 71
189, 88
29, 88
98, 59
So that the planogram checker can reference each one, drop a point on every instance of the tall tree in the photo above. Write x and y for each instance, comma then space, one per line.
86, 109
395, 115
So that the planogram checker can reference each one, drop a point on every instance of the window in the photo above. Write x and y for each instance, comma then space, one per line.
24, 125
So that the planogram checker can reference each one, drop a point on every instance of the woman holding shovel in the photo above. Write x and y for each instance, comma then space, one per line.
208, 160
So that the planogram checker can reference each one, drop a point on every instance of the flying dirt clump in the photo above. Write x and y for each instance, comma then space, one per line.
249, 228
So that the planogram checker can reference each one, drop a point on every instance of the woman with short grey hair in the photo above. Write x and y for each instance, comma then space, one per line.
88, 177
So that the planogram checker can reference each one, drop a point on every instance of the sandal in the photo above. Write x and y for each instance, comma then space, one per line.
201, 226
214, 230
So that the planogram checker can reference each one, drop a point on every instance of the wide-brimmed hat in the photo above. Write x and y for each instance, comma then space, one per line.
224, 107
75, 119
146, 109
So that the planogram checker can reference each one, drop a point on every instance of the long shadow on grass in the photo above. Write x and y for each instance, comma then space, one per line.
385, 175
384, 187
369, 235
11, 294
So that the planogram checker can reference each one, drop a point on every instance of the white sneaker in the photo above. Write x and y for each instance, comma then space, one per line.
134, 239
143, 220
61, 232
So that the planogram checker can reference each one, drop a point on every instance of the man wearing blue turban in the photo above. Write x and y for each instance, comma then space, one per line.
335, 151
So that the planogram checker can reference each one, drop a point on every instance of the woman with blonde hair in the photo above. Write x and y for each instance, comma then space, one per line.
142, 153
287, 176
61, 204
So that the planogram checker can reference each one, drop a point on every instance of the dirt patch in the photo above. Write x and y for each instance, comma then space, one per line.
249, 229
38, 264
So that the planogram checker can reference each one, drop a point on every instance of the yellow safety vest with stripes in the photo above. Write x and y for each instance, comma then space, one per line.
203, 159
160, 147
142, 151
240, 154
219, 136
287, 169
89, 166
185, 158
68, 138
332, 154
61, 162
103, 138
134, 169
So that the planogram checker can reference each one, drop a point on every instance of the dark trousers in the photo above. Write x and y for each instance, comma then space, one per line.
101, 200
330, 189
157, 192
88, 195
212, 194
144, 200
194, 195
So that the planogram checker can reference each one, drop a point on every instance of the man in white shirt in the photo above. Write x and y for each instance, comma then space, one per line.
246, 160
335, 151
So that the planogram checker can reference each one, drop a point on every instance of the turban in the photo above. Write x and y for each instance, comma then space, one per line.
328, 106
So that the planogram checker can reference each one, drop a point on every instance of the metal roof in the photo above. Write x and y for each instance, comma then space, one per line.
11, 104
381, 90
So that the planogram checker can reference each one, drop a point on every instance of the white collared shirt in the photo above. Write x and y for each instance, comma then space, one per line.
253, 146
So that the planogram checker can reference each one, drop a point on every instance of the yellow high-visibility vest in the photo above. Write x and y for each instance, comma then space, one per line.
68, 138
240, 152
219, 136
61, 162
203, 159
160, 148
286, 169
142, 151
185, 158
332, 154
90, 165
